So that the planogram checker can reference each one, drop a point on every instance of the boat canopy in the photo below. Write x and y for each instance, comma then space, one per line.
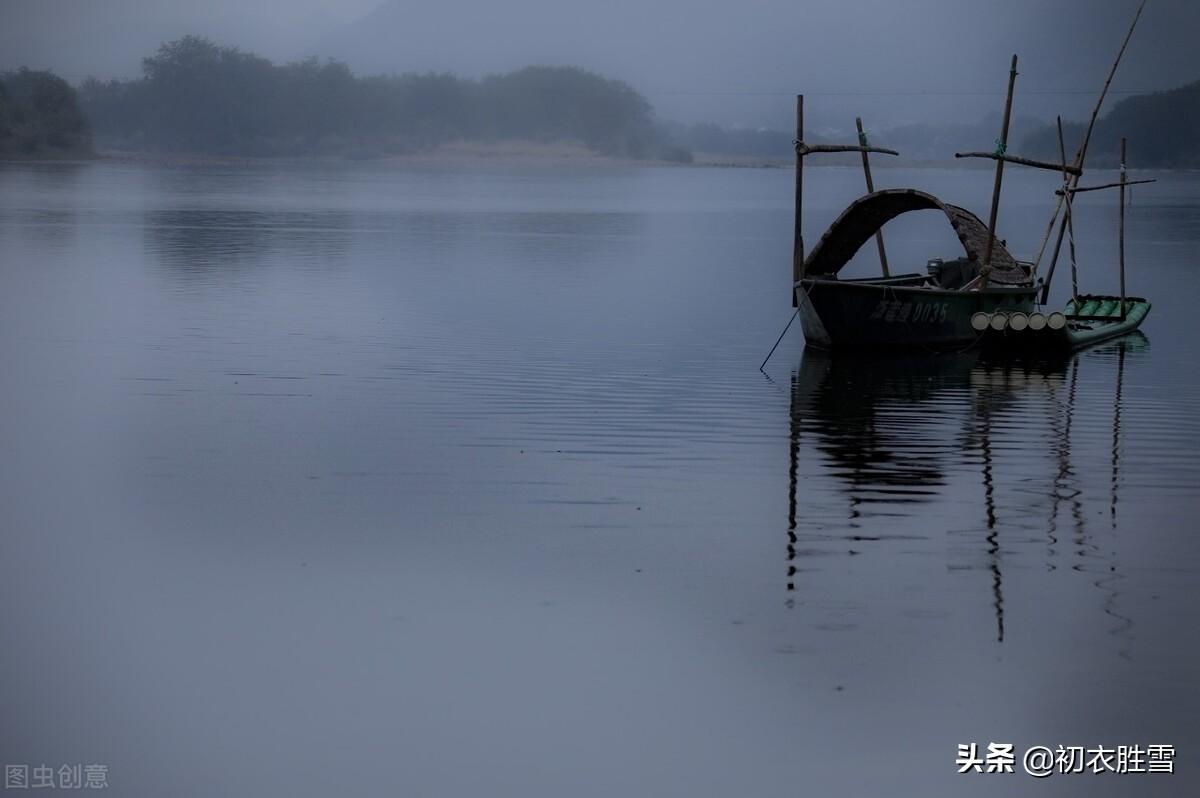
863, 218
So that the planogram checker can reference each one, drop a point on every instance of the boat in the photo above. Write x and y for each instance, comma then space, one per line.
913, 311
984, 298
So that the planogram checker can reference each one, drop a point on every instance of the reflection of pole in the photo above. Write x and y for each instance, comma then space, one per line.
989, 503
1125, 625
986, 271
793, 470
797, 232
1076, 502
1116, 440
862, 140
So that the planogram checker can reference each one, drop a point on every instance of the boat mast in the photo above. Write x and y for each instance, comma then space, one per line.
798, 232
1067, 195
1121, 227
866, 160
1068, 218
1000, 156
1080, 155
803, 149
1001, 148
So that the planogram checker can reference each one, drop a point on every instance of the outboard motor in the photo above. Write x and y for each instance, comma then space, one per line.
934, 268
952, 274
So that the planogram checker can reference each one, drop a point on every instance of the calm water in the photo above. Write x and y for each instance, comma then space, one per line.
386, 481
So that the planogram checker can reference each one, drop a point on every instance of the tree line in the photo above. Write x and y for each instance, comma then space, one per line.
198, 97
1163, 129
195, 96
40, 116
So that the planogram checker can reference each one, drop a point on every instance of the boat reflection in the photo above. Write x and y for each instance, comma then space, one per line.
889, 455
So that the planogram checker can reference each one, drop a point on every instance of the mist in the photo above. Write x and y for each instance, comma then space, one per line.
407, 398
733, 64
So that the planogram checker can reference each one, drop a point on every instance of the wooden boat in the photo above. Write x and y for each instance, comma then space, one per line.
916, 311
984, 299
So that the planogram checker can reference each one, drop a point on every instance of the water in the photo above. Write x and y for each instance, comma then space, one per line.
388, 480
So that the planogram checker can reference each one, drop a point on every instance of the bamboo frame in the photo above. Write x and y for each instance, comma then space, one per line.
866, 162
803, 149
1075, 191
1068, 215
1121, 228
1079, 159
797, 231
1017, 159
986, 270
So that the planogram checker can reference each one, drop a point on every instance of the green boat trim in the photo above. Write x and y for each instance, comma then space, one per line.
1092, 319
1086, 321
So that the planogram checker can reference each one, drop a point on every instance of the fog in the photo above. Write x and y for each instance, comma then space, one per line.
732, 63
335, 464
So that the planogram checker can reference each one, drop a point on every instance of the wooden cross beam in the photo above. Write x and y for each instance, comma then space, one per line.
1074, 191
1057, 167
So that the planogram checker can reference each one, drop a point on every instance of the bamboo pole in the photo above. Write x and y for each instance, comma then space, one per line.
797, 233
1075, 191
1079, 158
986, 270
805, 149
1068, 218
1062, 228
1017, 159
866, 161
1121, 228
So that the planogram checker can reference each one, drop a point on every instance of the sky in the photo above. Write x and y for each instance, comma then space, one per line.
737, 64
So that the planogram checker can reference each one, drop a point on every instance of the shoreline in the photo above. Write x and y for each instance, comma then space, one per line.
482, 154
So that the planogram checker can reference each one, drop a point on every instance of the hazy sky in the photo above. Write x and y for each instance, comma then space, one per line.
734, 63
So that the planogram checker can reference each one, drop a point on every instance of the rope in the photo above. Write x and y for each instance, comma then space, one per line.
1001, 147
795, 313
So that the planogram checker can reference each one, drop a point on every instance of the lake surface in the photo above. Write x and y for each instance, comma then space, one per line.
384, 480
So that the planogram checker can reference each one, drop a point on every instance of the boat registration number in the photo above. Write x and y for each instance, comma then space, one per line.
889, 310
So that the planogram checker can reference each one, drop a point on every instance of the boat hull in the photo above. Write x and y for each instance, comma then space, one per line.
898, 313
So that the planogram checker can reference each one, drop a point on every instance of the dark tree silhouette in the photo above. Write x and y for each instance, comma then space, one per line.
196, 96
40, 115
1163, 129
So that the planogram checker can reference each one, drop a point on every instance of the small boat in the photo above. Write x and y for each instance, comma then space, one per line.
1092, 319
930, 311
986, 298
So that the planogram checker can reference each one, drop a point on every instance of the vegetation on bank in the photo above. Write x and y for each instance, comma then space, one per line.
198, 97
713, 140
40, 117
1163, 130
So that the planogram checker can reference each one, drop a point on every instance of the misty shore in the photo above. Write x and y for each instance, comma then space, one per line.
451, 153
469, 154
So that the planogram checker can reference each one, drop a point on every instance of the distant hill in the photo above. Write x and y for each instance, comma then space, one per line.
1163, 130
